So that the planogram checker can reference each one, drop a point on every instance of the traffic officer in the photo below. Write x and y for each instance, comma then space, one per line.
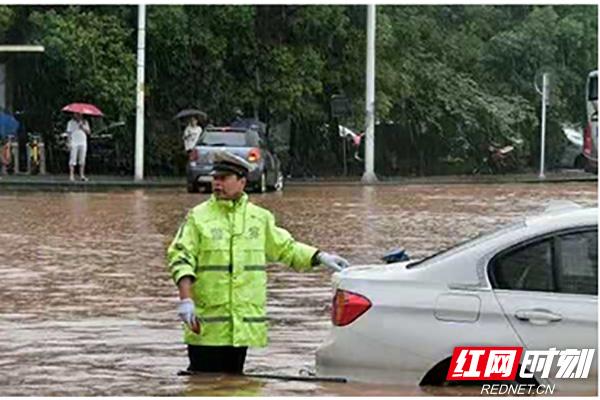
217, 260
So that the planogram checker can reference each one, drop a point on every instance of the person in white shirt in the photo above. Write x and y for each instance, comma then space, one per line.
190, 134
78, 129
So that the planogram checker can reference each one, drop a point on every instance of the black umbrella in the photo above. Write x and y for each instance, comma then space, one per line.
190, 112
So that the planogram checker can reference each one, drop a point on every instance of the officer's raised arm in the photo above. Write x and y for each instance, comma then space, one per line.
281, 247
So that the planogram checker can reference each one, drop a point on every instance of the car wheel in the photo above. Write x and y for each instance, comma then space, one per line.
261, 186
192, 188
279, 182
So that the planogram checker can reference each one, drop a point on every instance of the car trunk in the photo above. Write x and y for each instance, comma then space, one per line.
205, 153
371, 270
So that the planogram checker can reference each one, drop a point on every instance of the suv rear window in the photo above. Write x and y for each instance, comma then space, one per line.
232, 139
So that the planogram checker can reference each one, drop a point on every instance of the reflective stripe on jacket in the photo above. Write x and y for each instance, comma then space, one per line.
224, 246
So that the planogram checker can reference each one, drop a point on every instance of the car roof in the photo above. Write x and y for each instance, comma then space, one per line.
557, 215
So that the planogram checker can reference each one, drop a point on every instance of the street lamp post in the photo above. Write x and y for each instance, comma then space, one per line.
369, 174
543, 129
139, 121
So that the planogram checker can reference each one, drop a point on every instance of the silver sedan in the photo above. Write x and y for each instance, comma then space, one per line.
533, 284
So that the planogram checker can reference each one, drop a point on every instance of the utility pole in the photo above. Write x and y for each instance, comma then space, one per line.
543, 129
369, 174
139, 120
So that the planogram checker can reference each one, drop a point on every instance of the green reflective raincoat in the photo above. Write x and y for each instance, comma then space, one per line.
224, 246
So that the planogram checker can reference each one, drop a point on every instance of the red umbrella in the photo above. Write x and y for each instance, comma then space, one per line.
83, 108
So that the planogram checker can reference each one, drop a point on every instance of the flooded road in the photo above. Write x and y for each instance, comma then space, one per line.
87, 307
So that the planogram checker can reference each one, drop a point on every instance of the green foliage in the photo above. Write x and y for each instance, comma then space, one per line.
87, 53
6, 19
451, 78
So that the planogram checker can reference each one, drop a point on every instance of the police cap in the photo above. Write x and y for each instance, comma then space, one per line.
226, 163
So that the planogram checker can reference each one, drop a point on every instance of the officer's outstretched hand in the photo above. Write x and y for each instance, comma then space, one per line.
332, 261
185, 310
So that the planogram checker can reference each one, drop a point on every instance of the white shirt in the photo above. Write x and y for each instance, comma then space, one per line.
77, 135
190, 136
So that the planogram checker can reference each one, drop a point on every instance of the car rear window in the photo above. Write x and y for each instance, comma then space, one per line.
527, 268
464, 245
232, 139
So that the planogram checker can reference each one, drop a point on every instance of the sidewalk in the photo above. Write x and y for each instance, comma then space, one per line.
99, 182
40, 182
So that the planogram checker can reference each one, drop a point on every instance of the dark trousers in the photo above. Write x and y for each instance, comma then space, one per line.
226, 359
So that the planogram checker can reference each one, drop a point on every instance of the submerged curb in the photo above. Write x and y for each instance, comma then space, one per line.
26, 182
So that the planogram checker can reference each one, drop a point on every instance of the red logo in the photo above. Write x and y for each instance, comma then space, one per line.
484, 363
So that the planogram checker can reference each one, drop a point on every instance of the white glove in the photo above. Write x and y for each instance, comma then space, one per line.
186, 312
332, 261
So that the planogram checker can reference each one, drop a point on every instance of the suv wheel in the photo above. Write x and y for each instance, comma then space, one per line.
261, 186
279, 182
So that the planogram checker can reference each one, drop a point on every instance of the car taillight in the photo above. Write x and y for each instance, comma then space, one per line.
347, 307
587, 140
254, 155
194, 155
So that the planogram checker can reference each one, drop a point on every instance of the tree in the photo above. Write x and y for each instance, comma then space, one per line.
6, 20
451, 79
88, 56
86, 59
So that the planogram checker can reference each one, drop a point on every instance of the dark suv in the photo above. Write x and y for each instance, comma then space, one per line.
244, 142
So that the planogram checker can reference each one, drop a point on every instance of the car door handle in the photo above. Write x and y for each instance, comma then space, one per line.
538, 316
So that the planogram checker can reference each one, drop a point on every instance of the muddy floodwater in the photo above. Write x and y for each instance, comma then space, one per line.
87, 307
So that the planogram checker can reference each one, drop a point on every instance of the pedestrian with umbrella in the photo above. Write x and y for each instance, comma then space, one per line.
191, 134
78, 129
193, 130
